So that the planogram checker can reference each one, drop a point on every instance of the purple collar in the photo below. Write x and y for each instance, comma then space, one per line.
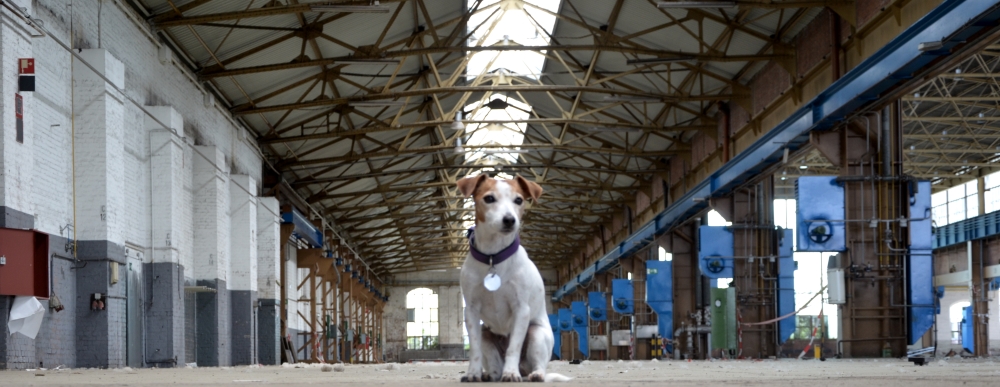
495, 258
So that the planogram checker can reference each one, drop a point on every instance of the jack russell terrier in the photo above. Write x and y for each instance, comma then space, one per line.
502, 287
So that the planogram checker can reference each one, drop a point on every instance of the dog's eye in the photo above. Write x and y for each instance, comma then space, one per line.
518, 201
489, 199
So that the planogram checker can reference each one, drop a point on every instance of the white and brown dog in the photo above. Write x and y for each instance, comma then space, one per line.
502, 287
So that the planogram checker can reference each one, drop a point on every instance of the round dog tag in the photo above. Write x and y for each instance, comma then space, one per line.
491, 282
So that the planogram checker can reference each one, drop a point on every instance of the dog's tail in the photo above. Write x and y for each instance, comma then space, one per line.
554, 377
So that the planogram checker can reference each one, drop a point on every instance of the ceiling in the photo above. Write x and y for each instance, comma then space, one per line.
385, 173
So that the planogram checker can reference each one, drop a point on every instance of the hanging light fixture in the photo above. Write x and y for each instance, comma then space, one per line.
458, 146
457, 125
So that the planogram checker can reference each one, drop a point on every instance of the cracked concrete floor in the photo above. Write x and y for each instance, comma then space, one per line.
876, 372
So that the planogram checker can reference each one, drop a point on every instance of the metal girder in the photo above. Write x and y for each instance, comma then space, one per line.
423, 151
398, 95
462, 49
165, 21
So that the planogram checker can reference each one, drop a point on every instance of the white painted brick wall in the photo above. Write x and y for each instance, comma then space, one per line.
291, 288
99, 149
243, 212
44, 160
17, 166
211, 215
167, 167
268, 248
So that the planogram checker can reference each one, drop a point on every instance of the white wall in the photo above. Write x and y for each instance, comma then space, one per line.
38, 177
955, 295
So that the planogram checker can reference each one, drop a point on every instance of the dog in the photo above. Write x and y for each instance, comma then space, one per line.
503, 288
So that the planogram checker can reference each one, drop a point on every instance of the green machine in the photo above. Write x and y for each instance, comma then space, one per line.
724, 318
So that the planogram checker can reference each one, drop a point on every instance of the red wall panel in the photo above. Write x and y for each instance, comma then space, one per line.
26, 272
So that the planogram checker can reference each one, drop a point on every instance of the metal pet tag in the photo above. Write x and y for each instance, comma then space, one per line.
491, 282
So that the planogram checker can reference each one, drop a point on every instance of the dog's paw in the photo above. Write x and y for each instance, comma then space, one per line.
537, 376
487, 377
472, 378
510, 377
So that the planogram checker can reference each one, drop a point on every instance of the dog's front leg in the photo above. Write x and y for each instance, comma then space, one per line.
518, 333
475, 372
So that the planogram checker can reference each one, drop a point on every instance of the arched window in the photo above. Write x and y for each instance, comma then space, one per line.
955, 317
421, 319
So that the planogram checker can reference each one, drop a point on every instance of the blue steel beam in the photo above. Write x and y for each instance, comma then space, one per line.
970, 229
952, 23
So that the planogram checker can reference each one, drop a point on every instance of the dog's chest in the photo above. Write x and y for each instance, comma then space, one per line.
496, 312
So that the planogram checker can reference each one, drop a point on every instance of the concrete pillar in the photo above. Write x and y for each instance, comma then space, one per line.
16, 147
163, 272
450, 322
268, 294
16, 170
211, 256
100, 210
243, 212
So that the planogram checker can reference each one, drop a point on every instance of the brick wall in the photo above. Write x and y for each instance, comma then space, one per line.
268, 253
813, 43
125, 184
243, 232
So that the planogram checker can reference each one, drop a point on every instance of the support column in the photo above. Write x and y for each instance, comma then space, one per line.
874, 320
682, 242
163, 272
751, 210
16, 138
100, 211
211, 258
243, 237
268, 294
979, 296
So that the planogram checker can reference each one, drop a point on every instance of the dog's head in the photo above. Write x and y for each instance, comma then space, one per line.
499, 203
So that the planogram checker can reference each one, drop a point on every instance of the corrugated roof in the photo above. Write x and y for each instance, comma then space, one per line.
574, 161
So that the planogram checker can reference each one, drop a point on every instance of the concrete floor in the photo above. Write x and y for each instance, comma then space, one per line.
879, 373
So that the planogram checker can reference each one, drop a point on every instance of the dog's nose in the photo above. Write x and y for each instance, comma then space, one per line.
508, 221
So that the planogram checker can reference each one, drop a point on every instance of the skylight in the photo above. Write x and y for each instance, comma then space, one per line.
494, 124
509, 25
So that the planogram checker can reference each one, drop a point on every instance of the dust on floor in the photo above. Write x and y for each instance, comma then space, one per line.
844, 372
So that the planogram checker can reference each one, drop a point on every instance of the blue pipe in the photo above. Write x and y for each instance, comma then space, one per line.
952, 22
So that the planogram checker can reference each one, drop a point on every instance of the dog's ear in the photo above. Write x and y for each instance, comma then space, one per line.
533, 189
467, 186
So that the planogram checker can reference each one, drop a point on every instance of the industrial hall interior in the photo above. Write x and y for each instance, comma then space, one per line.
761, 191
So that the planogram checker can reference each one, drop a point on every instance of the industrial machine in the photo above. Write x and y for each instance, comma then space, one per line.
554, 323
621, 296
715, 251
597, 304
822, 221
660, 296
578, 311
786, 286
920, 268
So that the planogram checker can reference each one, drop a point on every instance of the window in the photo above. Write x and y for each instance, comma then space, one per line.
810, 276
992, 192
716, 219
955, 317
501, 23
955, 204
664, 255
422, 319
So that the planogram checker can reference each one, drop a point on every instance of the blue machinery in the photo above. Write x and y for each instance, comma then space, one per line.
968, 339
557, 348
578, 311
920, 268
952, 22
823, 219
304, 229
313, 236
660, 295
